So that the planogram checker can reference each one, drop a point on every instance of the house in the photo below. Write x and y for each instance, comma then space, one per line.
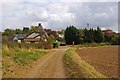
38, 35
61, 35
50, 32
35, 37
107, 32
19, 38
54, 33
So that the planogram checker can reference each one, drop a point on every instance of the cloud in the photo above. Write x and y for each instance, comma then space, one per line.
96, 14
59, 15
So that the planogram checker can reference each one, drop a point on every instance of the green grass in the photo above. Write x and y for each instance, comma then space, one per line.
22, 56
19, 57
78, 68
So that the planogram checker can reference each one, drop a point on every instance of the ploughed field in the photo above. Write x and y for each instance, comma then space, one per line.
104, 59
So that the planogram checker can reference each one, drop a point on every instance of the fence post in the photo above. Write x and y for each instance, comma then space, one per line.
73, 43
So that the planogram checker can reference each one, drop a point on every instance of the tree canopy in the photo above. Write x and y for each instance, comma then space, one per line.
72, 34
98, 35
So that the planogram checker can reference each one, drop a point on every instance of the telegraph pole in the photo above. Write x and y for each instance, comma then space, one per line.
88, 25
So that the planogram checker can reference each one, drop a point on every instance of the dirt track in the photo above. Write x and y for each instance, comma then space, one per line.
49, 66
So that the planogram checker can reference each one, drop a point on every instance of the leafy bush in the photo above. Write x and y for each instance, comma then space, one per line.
115, 40
51, 39
55, 44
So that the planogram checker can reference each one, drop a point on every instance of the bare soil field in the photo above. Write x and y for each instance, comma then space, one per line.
104, 59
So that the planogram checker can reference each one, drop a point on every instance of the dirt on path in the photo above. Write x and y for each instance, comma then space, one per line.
49, 66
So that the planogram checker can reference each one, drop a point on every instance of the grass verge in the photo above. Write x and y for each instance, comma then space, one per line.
16, 58
78, 68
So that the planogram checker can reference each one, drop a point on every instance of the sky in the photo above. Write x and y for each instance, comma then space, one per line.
58, 14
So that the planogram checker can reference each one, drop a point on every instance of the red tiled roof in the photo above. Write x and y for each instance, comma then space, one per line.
108, 31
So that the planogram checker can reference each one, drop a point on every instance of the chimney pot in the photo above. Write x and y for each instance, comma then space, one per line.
39, 24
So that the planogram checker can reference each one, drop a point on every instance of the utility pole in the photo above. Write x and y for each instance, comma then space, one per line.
88, 25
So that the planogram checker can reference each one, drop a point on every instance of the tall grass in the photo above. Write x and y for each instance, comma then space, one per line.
19, 57
41, 45
23, 57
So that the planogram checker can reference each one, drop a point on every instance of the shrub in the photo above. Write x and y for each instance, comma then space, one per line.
103, 44
115, 40
41, 45
55, 44
47, 45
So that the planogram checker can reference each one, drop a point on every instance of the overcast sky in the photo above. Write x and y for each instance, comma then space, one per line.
58, 15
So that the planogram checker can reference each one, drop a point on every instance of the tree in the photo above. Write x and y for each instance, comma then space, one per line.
61, 31
26, 30
8, 32
33, 28
51, 39
91, 32
108, 37
61, 35
81, 35
115, 40
85, 35
98, 35
60, 39
88, 35
72, 34
18, 31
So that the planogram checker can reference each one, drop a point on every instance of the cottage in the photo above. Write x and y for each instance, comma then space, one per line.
35, 37
50, 32
38, 35
107, 32
18, 38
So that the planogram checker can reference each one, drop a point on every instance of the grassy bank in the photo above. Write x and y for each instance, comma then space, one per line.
15, 58
78, 68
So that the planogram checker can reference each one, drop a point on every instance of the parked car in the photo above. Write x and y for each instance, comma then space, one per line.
62, 44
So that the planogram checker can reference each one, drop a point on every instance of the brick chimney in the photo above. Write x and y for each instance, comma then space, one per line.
39, 24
